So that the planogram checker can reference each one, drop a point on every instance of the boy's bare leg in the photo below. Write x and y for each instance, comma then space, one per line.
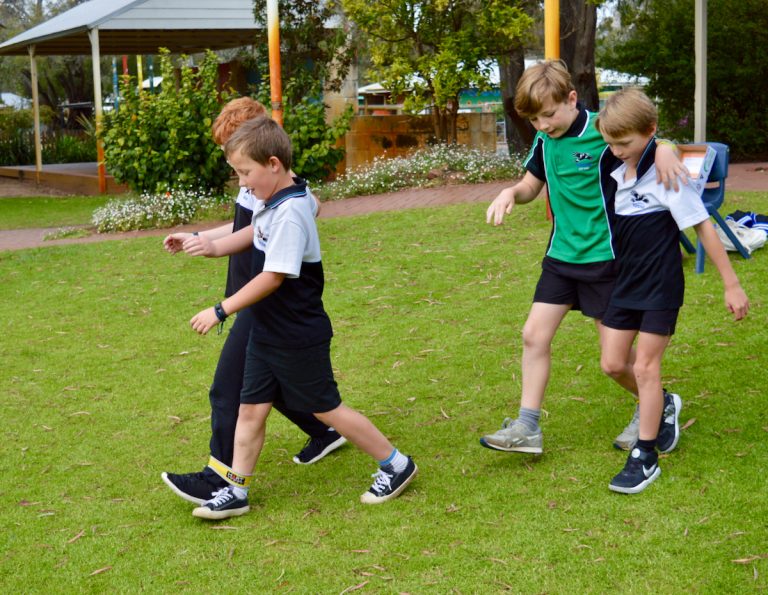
523, 434
396, 470
622, 374
249, 437
650, 350
359, 430
538, 332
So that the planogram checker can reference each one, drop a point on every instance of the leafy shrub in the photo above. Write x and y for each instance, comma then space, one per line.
155, 210
160, 142
315, 142
438, 164
18, 148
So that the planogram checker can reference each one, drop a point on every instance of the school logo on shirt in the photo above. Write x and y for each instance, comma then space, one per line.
261, 237
639, 201
581, 157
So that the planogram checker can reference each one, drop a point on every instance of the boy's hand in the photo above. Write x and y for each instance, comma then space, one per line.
204, 321
669, 168
501, 205
737, 302
173, 243
197, 245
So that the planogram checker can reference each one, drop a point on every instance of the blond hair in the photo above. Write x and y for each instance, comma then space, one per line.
542, 82
259, 139
232, 115
626, 112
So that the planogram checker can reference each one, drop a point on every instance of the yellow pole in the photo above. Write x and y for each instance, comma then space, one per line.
552, 29
273, 41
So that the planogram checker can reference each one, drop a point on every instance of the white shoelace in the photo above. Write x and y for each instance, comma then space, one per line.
382, 480
220, 497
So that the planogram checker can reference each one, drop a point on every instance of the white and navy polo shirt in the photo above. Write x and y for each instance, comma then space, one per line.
285, 240
648, 219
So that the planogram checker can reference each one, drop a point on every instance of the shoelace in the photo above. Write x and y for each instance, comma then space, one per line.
221, 497
507, 422
382, 481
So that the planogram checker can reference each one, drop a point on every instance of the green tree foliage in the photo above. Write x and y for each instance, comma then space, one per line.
314, 41
160, 142
655, 39
429, 50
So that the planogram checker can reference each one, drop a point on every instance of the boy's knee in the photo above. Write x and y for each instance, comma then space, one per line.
613, 367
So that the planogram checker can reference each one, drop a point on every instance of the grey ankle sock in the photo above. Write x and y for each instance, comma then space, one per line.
530, 418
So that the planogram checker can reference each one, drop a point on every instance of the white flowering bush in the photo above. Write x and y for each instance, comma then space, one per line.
438, 164
150, 211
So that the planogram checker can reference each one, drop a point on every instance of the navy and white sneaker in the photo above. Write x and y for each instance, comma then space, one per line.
669, 428
316, 448
192, 487
640, 471
223, 505
388, 484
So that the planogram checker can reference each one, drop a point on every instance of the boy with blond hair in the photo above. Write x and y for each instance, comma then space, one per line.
649, 288
578, 270
224, 394
289, 347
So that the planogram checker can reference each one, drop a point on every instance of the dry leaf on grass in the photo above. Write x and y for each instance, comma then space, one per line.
354, 587
100, 571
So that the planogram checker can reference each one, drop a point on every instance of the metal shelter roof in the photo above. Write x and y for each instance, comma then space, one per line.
140, 27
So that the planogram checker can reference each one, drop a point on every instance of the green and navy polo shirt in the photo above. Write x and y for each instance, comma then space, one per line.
571, 166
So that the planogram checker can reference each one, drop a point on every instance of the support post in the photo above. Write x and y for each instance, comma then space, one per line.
93, 35
552, 29
700, 92
273, 41
36, 113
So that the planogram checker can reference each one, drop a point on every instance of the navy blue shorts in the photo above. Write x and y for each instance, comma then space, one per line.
302, 377
657, 322
587, 287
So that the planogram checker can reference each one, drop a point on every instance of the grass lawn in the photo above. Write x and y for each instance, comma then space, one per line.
48, 211
104, 386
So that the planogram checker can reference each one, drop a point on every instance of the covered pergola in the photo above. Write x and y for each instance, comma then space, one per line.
117, 27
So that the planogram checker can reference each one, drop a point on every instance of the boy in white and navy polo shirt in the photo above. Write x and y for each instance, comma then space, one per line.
289, 347
650, 284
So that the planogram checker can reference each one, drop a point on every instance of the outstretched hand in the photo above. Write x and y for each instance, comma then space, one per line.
737, 302
197, 245
501, 205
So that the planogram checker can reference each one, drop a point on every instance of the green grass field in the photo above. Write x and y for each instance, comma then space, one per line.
104, 386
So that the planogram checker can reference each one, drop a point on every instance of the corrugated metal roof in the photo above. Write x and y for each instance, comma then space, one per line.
141, 26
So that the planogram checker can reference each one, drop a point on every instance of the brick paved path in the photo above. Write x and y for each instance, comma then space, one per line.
741, 176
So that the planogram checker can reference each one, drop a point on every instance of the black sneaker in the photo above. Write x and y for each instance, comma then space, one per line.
316, 448
223, 505
640, 470
669, 428
388, 483
193, 487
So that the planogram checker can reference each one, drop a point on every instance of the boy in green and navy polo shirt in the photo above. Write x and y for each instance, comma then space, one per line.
288, 352
578, 270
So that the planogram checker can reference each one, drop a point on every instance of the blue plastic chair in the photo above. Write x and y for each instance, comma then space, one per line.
713, 197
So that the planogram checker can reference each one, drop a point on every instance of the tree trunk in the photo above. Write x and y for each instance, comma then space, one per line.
578, 23
519, 131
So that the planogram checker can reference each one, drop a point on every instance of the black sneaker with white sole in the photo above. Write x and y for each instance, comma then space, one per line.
192, 487
316, 448
389, 484
640, 471
224, 504
669, 428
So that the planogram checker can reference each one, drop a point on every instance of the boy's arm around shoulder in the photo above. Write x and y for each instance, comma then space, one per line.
669, 166
523, 192
735, 298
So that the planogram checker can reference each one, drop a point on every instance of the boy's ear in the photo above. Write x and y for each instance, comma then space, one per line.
573, 97
274, 164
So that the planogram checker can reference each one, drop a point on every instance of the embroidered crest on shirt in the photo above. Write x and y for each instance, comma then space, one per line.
639, 201
581, 157
261, 237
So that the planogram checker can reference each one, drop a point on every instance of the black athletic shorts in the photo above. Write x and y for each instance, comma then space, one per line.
658, 322
587, 287
302, 377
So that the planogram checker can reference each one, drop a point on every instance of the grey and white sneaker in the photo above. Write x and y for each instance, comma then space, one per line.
669, 429
629, 435
514, 436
